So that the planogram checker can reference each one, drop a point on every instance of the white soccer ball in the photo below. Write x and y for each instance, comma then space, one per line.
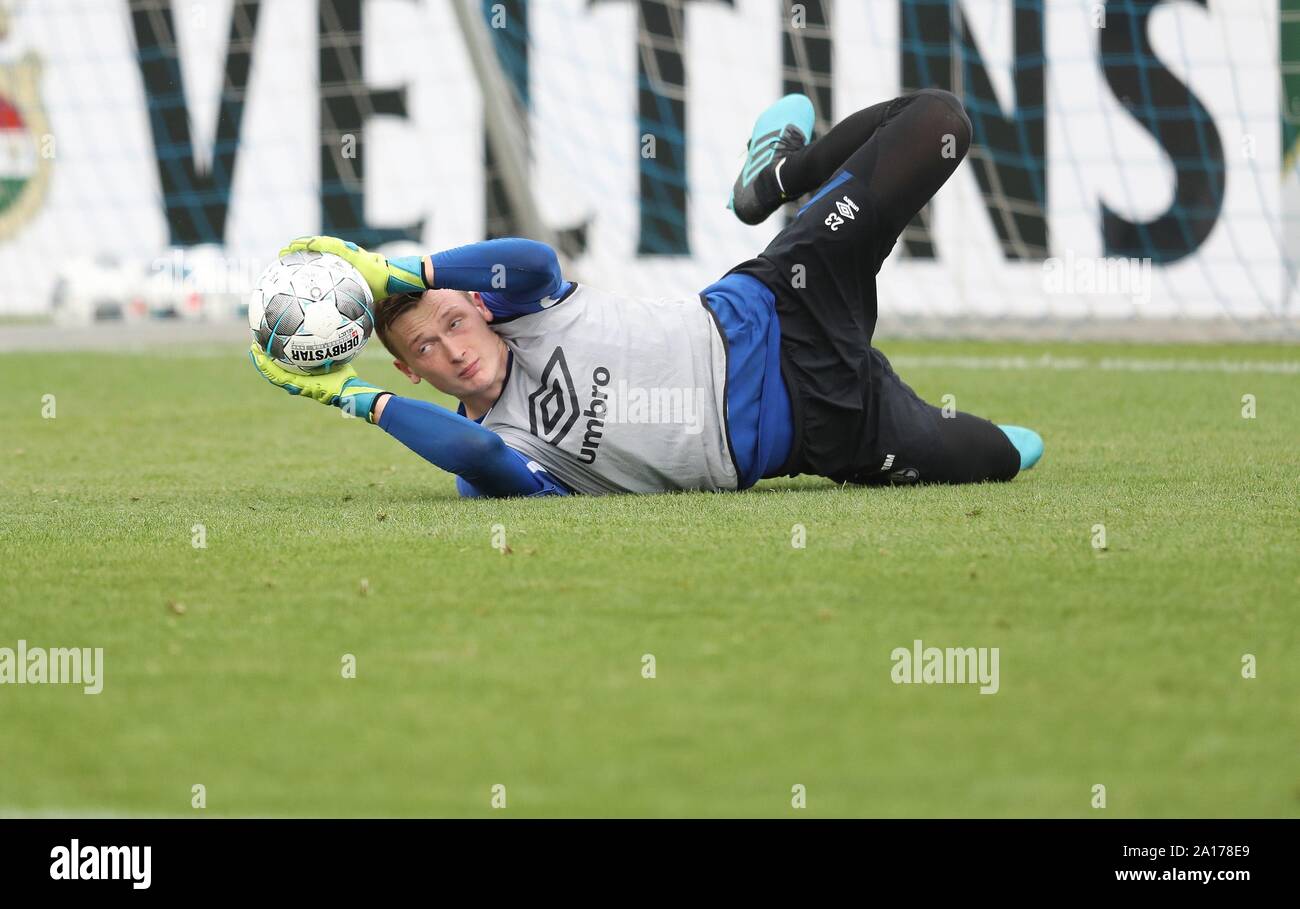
311, 312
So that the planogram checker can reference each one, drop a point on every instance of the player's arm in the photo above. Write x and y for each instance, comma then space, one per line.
485, 464
458, 445
514, 276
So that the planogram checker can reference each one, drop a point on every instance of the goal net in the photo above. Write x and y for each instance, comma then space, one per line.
1133, 168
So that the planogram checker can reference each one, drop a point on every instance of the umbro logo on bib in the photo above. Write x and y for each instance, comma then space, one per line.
553, 407
847, 208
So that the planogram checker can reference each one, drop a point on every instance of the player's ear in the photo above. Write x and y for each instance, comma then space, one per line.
406, 371
477, 299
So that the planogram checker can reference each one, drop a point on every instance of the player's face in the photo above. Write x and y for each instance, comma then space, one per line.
448, 343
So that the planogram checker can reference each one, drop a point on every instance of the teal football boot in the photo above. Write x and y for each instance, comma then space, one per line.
782, 129
1027, 442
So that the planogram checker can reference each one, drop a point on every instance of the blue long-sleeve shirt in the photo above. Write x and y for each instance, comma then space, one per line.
482, 462
515, 277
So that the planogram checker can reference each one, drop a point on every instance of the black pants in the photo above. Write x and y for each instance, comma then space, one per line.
855, 420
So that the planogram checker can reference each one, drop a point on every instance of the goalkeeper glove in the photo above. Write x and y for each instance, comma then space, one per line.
385, 276
340, 387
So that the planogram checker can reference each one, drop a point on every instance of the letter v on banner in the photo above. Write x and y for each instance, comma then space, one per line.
195, 203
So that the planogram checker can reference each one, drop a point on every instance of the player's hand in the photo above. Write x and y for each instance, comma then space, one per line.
340, 387
385, 276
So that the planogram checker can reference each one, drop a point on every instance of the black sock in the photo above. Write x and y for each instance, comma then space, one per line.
809, 168
767, 188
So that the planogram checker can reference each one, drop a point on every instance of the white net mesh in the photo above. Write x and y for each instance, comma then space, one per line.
1130, 164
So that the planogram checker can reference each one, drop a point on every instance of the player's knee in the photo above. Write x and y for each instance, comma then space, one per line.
952, 122
947, 98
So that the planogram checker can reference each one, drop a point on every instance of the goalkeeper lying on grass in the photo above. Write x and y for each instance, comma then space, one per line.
769, 372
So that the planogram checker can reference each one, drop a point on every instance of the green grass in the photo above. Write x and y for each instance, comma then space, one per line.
1120, 667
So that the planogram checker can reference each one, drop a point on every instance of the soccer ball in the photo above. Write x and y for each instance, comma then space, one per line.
311, 312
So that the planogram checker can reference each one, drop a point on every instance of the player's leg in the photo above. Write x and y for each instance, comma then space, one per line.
925, 136
913, 150
781, 165
916, 442
876, 170
813, 165
916, 147
959, 448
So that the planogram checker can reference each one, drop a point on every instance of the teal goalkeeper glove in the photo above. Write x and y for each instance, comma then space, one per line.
385, 276
340, 387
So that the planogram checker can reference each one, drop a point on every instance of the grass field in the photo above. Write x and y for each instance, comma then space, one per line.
1119, 666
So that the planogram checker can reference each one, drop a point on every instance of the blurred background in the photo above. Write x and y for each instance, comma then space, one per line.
1133, 172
